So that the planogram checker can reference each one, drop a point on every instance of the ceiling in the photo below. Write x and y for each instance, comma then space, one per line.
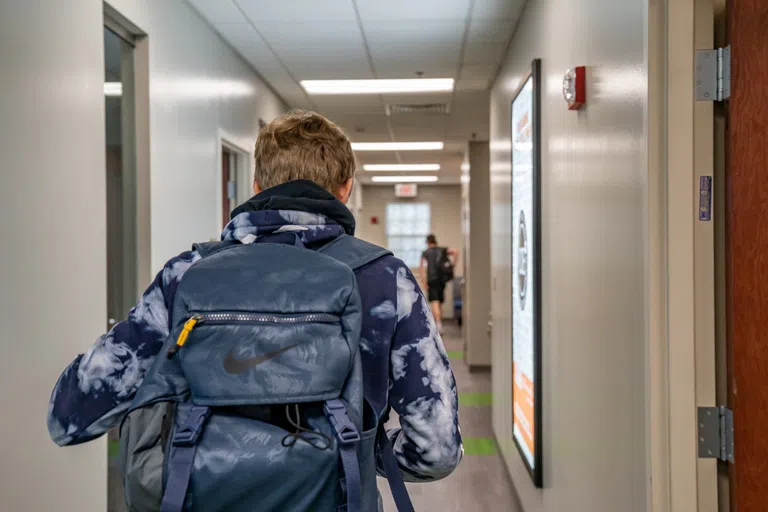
292, 40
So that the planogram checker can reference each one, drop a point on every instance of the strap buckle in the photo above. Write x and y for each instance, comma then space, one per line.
188, 432
346, 431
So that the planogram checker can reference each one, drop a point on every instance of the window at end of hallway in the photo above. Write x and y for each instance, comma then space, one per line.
408, 225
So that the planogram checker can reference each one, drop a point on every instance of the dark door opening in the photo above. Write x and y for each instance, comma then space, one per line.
228, 183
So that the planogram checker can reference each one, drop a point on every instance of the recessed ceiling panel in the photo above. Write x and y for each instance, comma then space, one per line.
484, 51
297, 10
491, 29
238, 34
398, 10
498, 8
218, 11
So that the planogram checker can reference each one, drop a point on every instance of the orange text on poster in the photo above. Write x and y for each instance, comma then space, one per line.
523, 405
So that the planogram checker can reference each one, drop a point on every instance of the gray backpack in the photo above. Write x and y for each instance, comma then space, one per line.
255, 402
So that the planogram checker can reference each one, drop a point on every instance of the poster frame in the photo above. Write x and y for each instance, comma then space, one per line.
534, 74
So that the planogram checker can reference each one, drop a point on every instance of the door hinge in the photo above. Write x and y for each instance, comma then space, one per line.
715, 433
713, 74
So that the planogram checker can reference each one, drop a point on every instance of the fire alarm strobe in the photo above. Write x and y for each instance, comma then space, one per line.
575, 87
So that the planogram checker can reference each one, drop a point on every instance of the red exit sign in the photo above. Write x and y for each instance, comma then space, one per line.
405, 190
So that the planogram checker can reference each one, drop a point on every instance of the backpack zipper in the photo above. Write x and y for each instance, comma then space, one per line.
251, 318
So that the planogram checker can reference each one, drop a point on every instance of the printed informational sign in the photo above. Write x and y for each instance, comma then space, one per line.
526, 278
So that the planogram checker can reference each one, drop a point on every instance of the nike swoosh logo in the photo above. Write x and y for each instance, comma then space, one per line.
236, 366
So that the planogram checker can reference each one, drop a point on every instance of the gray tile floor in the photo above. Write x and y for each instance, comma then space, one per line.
479, 484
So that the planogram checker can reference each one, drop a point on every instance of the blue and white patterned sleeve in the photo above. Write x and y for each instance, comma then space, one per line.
95, 390
423, 390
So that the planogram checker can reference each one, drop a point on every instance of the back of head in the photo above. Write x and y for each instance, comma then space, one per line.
303, 145
431, 239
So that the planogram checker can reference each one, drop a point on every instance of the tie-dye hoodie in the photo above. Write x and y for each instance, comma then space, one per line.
404, 362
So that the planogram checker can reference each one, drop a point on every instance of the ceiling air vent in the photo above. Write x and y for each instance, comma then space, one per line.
427, 108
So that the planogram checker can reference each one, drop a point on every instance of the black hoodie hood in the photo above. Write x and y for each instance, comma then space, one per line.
303, 196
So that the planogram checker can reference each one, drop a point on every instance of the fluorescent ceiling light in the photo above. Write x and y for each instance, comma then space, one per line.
407, 85
401, 167
113, 88
404, 179
397, 146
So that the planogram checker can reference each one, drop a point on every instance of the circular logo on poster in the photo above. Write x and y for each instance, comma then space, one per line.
522, 259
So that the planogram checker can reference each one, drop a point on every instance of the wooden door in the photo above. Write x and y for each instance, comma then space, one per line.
747, 246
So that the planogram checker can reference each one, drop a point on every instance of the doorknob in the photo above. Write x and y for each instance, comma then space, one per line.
111, 322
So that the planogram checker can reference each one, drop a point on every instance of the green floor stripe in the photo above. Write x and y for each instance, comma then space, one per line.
456, 354
471, 399
113, 448
479, 446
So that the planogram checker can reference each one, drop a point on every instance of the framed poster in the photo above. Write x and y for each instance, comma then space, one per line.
526, 270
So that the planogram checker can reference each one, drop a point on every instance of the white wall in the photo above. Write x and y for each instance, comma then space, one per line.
53, 272
445, 211
593, 255
198, 85
53, 198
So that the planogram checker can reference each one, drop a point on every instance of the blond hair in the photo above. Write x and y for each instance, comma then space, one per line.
303, 145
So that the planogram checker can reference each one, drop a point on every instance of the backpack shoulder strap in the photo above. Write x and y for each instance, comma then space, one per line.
354, 252
205, 249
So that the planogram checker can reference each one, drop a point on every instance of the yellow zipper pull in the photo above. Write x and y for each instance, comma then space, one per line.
183, 335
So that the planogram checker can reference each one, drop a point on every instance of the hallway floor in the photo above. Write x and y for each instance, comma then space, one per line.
480, 483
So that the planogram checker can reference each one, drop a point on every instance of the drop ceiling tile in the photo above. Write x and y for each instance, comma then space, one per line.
397, 10
478, 69
367, 127
407, 66
491, 29
333, 69
406, 60
298, 101
302, 33
218, 11
484, 52
431, 31
238, 34
498, 8
298, 10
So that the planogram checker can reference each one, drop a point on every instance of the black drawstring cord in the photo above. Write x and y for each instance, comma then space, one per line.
303, 433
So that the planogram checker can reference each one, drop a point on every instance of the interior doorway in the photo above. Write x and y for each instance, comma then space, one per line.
126, 124
121, 176
122, 257
235, 184
229, 182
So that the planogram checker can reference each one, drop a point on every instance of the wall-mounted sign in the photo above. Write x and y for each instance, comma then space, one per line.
526, 268
405, 190
575, 87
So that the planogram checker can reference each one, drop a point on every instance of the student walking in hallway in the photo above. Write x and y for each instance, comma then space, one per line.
439, 263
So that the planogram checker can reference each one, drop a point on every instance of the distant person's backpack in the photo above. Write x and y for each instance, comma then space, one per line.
444, 266
255, 402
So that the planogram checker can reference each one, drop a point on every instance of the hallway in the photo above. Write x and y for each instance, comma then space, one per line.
480, 483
